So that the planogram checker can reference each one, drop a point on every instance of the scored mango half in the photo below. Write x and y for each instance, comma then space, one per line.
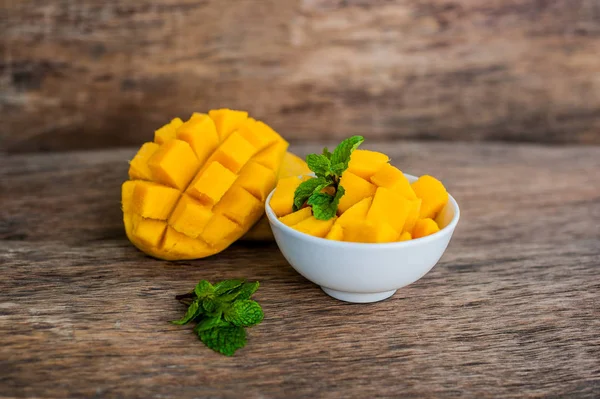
201, 184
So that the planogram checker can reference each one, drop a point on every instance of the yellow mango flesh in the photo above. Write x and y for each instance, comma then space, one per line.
296, 217
365, 163
336, 233
391, 177
433, 193
201, 185
282, 200
406, 236
387, 207
425, 227
314, 226
369, 232
357, 212
356, 188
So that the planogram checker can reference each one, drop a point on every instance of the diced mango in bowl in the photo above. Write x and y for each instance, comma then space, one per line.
359, 196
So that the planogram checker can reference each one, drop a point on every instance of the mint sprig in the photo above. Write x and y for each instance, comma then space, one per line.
328, 168
221, 313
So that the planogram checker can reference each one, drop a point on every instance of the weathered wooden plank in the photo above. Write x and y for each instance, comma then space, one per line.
92, 74
512, 310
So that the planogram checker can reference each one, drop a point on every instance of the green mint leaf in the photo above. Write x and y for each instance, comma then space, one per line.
341, 154
225, 340
244, 313
227, 285
326, 153
204, 289
247, 290
211, 322
325, 206
307, 188
210, 305
318, 164
193, 311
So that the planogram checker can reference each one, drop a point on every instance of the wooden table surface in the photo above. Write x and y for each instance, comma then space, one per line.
511, 310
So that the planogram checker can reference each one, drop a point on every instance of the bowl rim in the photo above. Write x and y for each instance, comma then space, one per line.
273, 219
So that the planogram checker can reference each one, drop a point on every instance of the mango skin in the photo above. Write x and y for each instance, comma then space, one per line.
187, 160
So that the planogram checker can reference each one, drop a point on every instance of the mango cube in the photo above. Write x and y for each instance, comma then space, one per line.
257, 179
406, 236
211, 184
369, 232
153, 201
138, 167
272, 156
148, 231
413, 215
314, 226
365, 163
296, 217
391, 177
336, 233
201, 134
220, 229
240, 206
356, 188
174, 164
167, 132
234, 152
190, 217
356, 213
257, 133
389, 207
127, 195
425, 227
282, 200
433, 193
227, 120
179, 246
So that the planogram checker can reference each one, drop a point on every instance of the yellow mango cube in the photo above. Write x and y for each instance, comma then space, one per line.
336, 233
138, 167
296, 217
240, 206
211, 184
174, 164
413, 215
356, 213
257, 133
433, 193
389, 207
234, 152
425, 227
167, 132
127, 195
227, 121
314, 226
369, 232
365, 163
406, 236
391, 177
148, 231
190, 217
219, 230
180, 246
272, 156
356, 188
153, 201
282, 200
201, 134
257, 179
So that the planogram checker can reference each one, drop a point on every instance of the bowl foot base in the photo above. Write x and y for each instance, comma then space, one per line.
357, 297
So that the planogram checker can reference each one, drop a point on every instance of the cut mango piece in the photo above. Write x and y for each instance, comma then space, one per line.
190, 217
389, 207
240, 206
272, 156
227, 120
174, 164
293, 165
391, 177
425, 227
365, 163
369, 232
336, 233
356, 213
148, 231
153, 200
210, 185
413, 215
138, 167
220, 229
296, 217
314, 226
127, 195
234, 152
257, 133
201, 134
282, 200
433, 193
405, 236
177, 245
167, 132
257, 179
356, 188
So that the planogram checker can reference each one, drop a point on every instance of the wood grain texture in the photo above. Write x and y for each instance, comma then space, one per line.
512, 310
91, 74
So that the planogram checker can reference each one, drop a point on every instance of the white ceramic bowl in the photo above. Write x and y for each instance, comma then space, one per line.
361, 272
